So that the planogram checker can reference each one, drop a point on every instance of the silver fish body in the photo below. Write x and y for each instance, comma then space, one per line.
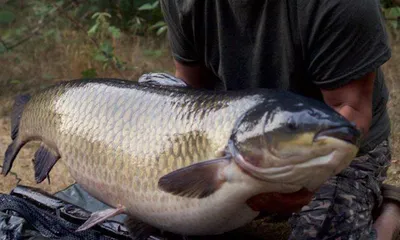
119, 139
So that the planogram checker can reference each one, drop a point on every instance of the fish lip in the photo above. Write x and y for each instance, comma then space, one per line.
348, 134
245, 166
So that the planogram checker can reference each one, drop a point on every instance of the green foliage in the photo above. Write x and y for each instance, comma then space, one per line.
160, 27
102, 26
109, 20
148, 19
6, 17
2, 48
149, 6
15, 81
104, 33
132, 16
393, 14
89, 73
391, 11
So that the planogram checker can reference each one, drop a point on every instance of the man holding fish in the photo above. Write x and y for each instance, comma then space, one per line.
327, 50
199, 160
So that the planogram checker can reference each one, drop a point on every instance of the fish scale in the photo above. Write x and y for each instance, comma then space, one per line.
127, 144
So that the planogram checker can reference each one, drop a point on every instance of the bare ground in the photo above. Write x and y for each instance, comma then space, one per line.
30, 68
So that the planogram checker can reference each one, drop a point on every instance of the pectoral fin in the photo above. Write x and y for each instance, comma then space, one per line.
195, 181
101, 216
44, 161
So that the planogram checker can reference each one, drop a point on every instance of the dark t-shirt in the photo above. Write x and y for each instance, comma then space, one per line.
296, 45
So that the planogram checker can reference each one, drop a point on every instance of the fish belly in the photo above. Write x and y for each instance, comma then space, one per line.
224, 211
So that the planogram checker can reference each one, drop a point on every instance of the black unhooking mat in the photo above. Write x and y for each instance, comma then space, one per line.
29, 213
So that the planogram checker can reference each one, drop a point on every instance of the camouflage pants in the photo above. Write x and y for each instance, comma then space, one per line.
343, 207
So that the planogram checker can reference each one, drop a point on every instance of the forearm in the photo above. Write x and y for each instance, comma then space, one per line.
190, 74
196, 75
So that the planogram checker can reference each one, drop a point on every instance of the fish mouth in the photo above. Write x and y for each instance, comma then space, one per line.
348, 134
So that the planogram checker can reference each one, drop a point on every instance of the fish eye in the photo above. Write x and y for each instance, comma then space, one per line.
292, 125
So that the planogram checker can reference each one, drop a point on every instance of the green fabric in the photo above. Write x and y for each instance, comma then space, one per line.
297, 45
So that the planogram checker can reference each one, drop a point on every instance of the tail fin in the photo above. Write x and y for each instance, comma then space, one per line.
17, 144
18, 108
11, 153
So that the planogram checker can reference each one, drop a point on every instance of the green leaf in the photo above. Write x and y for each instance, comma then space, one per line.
6, 17
395, 24
148, 6
145, 7
100, 57
161, 30
106, 15
95, 15
394, 12
105, 65
157, 25
107, 47
15, 81
155, 4
89, 73
115, 32
93, 29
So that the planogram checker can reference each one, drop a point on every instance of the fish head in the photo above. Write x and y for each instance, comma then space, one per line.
293, 140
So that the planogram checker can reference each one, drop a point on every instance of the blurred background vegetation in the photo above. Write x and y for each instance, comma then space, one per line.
45, 41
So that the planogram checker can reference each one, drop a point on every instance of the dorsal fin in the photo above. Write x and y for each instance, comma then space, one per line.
161, 79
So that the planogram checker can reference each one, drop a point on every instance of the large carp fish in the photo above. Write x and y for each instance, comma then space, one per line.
183, 160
